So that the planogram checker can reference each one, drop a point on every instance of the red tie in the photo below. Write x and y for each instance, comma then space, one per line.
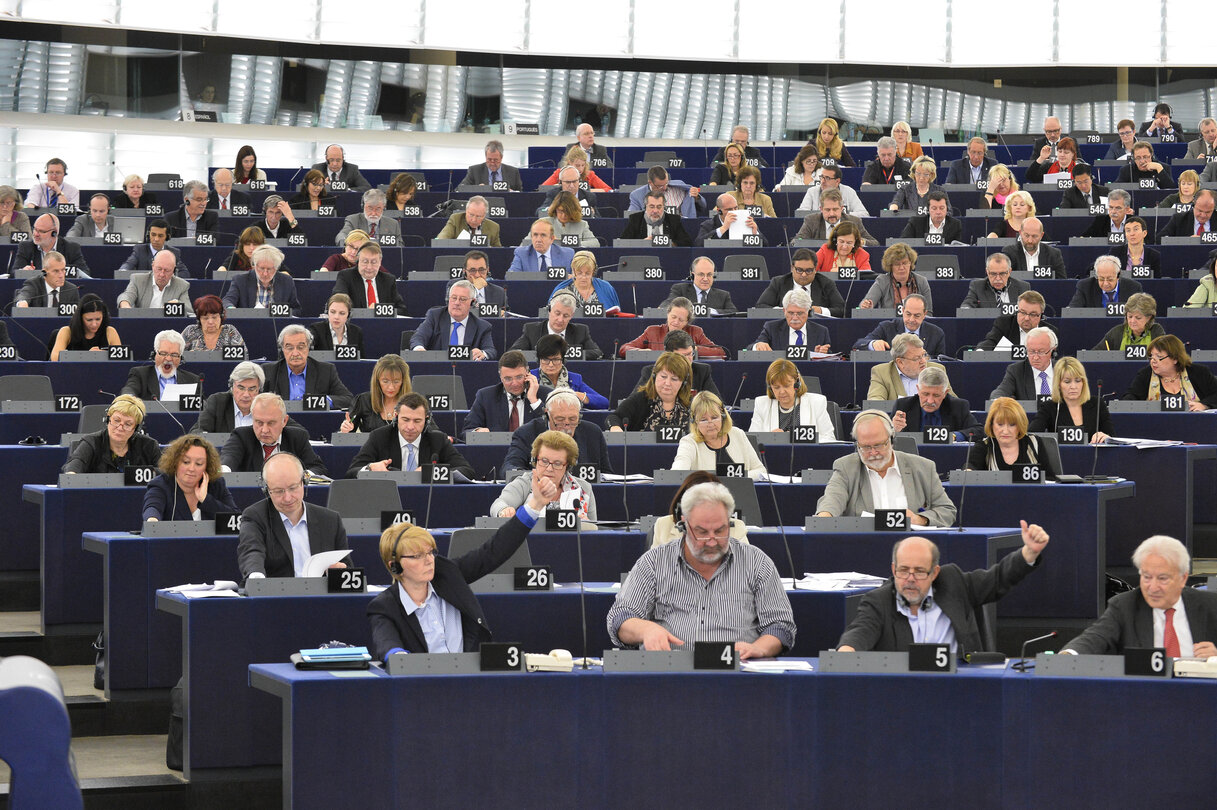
371, 292
223, 203
372, 229
1169, 640
267, 451
514, 422
1200, 230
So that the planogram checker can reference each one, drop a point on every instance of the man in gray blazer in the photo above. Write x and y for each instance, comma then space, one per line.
280, 533
158, 287
1150, 616
372, 221
140, 260
997, 287
851, 491
494, 170
819, 224
1206, 144
337, 170
98, 222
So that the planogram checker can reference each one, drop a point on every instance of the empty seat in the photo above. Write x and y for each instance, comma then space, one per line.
739, 262
26, 388
363, 497
440, 385
92, 418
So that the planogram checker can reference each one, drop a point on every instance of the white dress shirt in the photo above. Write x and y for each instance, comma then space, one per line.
1183, 630
887, 491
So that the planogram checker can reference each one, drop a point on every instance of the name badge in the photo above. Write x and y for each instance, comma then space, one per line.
1135, 352
933, 239
847, 273
327, 211
1141, 271
175, 309
891, 520
346, 353
438, 402
593, 310
1071, 435
588, 472
499, 657
345, 580
803, 434
936, 434
1064, 183
387, 239
297, 240
391, 517
154, 210
652, 273
459, 353
661, 240
232, 353
118, 352
1027, 474
240, 210
205, 239
570, 240
67, 402
668, 434
752, 240
796, 352
535, 577
280, 310
112, 238
139, 475
714, 655
315, 402
228, 523
338, 185
731, 471
436, 474
478, 240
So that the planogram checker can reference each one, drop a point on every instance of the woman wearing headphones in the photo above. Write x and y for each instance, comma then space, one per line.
712, 440
554, 455
669, 527
662, 402
190, 486
118, 444
435, 589
89, 330
788, 404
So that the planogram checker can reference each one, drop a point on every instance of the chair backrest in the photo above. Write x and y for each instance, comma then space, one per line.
448, 385
1050, 452
464, 541
406, 335
744, 492
363, 497
928, 264
834, 413
26, 388
155, 178
738, 262
638, 263
657, 157
905, 443
447, 261
812, 385
92, 417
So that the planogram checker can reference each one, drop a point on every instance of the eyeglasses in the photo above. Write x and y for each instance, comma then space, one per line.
519, 378
705, 420
702, 536
1039, 352
564, 421
918, 574
874, 448
1154, 358
169, 355
546, 464
1025, 314
550, 361
420, 557
281, 491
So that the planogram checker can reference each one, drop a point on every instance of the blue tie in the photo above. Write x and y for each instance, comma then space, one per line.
541, 261
455, 338
798, 338
411, 464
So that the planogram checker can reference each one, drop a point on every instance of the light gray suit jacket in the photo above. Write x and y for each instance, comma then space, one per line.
84, 226
140, 288
519, 488
360, 222
848, 491
1195, 149
885, 381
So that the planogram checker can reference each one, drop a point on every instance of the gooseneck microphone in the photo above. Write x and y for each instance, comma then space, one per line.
625, 467
1021, 664
430, 486
582, 589
794, 574
1098, 410
738, 391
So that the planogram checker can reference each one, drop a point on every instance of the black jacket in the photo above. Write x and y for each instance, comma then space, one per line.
918, 227
1201, 378
1006, 326
1088, 293
577, 334
956, 415
92, 453
1129, 622
636, 228
385, 442
209, 222
320, 379
593, 448
717, 298
264, 546
350, 282
824, 293
1052, 416
243, 452
141, 382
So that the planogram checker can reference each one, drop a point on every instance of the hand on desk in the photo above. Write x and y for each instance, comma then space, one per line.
380, 466
1203, 649
655, 637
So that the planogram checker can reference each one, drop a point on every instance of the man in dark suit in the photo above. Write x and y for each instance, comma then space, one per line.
932, 405
569, 181
1105, 286
1052, 136
280, 533
278, 220
825, 297
974, 167
882, 622
652, 220
222, 196
719, 225
996, 287
561, 310
264, 284
1032, 377
477, 273
886, 168
44, 239
456, 325
794, 329
494, 170
1084, 192
518, 398
1150, 616
140, 260
1196, 221
1161, 125
1143, 166
148, 382
354, 281
1016, 327
248, 448
585, 136
193, 217
681, 342
50, 289
337, 170
1119, 206
297, 375
225, 410
1029, 252
562, 412
739, 137
936, 221
911, 320
700, 288
819, 224
407, 438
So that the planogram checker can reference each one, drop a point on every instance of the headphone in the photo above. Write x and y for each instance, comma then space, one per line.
395, 564
798, 387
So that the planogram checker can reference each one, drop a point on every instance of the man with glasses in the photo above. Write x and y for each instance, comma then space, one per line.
518, 398
881, 477
159, 286
371, 220
1161, 612
680, 342
367, 284
973, 166
472, 221
1045, 147
898, 378
830, 180
910, 321
825, 297
1014, 329
148, 382
46, 239
298, 375
928, 603
406, 444
225, 410
193, 218
707, 587
794, 328
568, 181
1204, 147
1122, 148
269, 433
700, 288
456, 325
562, 413
493, 170
1196, 222
727, 212
997, 287
1030, 378
932, 406
739, 137
477, 273
554, 456
1105, 286
281, 532
1144, 167
1084, 192
1119, 206
819, 224
561, 310
52, 190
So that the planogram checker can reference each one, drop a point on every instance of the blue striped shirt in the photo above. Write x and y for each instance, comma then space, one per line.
742, 601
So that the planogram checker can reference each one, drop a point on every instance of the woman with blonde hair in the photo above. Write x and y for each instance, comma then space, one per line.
1019, 208
829, 144
713, 439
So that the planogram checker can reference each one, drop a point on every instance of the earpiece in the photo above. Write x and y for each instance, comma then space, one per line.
395, 565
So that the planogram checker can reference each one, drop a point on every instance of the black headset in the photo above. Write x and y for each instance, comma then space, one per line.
798, 387
395, 564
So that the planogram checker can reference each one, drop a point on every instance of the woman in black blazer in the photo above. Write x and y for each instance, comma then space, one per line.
1173, 373
662, 402
409, 553
337, 322
118, 445
189, 486
375, 407
1006, 440
1071, 404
